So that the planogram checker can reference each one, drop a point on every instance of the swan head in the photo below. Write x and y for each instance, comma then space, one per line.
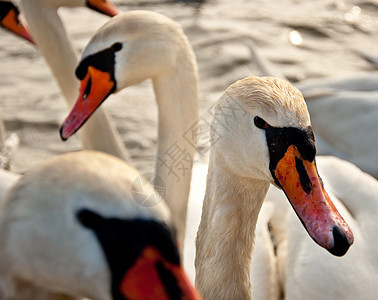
127, 50
142, 256
9, 19
262, 130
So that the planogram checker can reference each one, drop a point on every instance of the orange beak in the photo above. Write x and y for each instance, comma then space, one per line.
104, 7
94, 89
152, 277
300, 180
12, 23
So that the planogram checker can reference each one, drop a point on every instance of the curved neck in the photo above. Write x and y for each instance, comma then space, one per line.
177, 99
226, 234
56, 47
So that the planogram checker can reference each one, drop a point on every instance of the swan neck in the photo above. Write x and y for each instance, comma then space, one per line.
226, 233
177, 100
54, 44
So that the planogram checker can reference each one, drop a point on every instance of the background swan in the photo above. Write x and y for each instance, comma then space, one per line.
139, 45
55, 46
71, 229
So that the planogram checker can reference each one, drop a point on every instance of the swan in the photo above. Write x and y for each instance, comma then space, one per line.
69, 228
55, 46
268, 141
130, 48
9, 19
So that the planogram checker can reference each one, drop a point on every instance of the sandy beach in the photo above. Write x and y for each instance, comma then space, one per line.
303, 40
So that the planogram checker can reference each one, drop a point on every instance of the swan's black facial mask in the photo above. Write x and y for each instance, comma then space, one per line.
292, 165
97, 82
103, 60
142, 256
279, 139
9, 19
5, 8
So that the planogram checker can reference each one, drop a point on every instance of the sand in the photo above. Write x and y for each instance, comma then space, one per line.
303, 40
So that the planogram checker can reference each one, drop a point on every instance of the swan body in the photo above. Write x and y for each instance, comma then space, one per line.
362, 82
61, 214
140, 45
308, 272
243, 163
351, 101
56, 47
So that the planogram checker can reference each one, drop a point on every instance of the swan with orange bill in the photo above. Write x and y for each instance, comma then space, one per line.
136, 46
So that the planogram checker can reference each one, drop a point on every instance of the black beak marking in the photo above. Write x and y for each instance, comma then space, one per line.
303, 176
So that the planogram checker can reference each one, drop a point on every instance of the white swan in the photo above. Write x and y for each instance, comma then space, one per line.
55, 46
74, 225
128, 49
268, 141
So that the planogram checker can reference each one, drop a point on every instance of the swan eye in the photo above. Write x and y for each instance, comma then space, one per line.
87, 89
117, 47
260, 123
